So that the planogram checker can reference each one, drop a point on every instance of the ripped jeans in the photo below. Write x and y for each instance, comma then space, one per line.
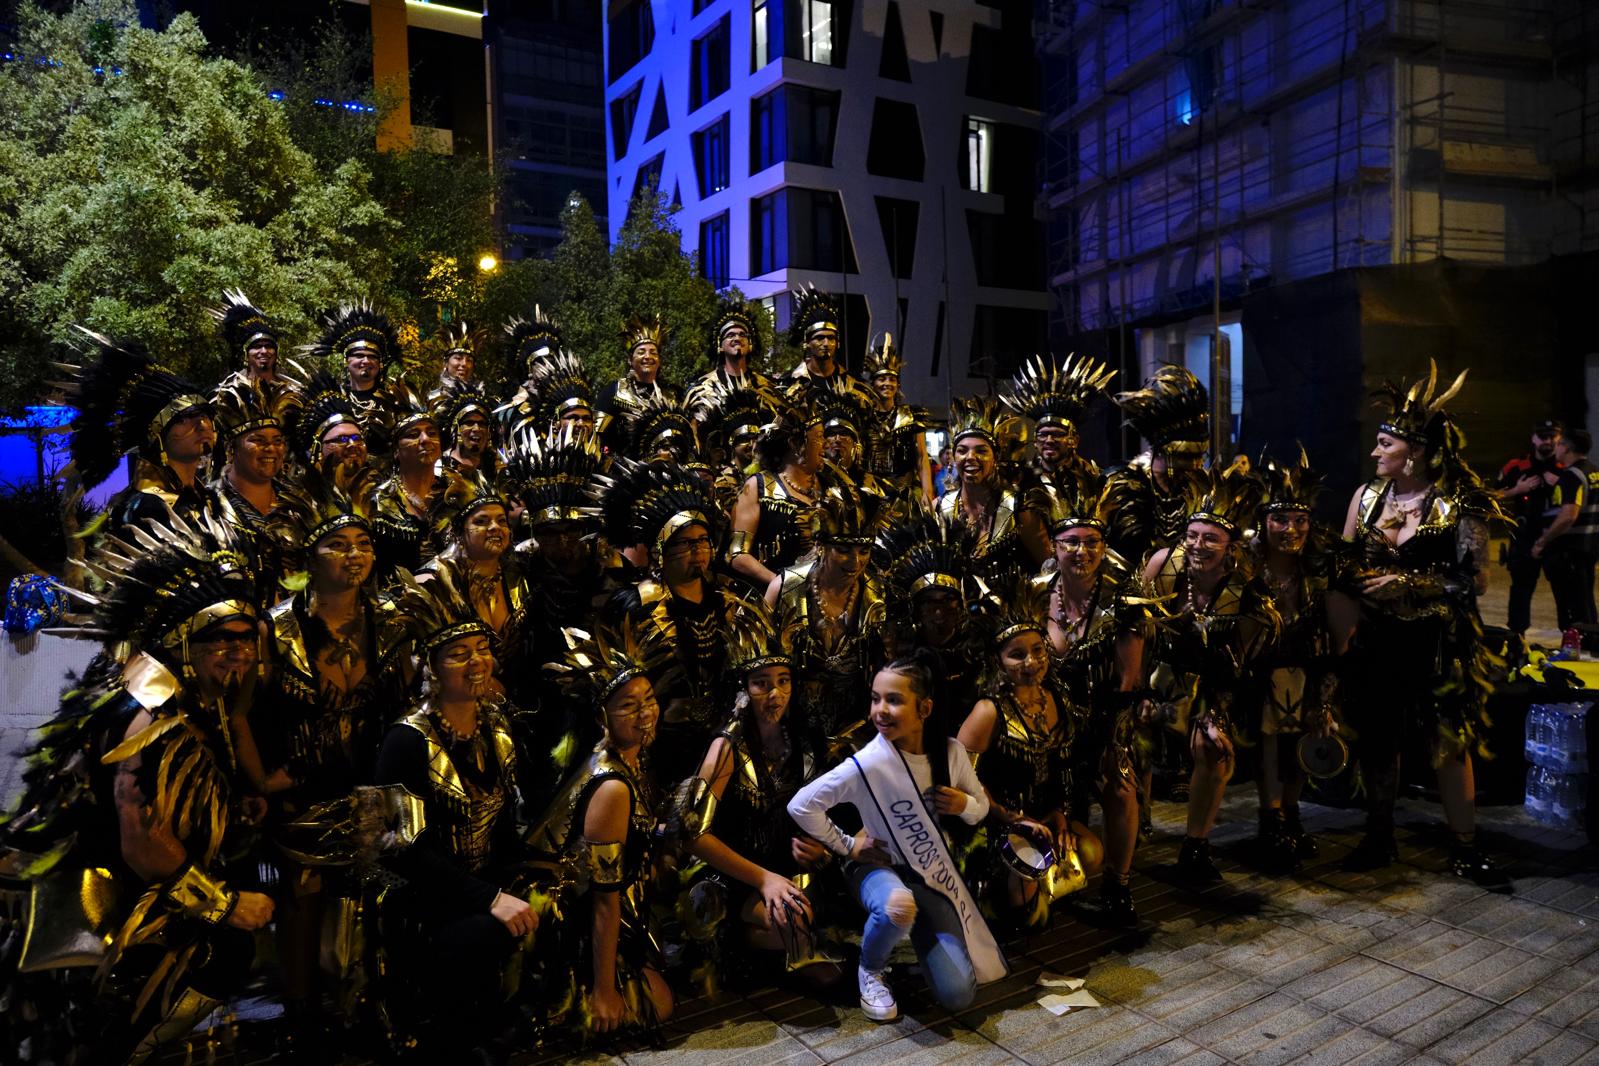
935, 933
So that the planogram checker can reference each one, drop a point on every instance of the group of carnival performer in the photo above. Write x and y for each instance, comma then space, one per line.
513, 717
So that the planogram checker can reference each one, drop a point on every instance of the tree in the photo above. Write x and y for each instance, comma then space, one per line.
139, 178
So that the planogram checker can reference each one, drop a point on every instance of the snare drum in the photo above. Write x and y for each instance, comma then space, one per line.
1024, 857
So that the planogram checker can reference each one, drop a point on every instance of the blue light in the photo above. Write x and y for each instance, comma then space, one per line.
275, 94
50, 416
1183, 103
99, 70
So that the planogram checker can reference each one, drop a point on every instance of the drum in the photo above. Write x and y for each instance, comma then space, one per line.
1026, 857
1323, 757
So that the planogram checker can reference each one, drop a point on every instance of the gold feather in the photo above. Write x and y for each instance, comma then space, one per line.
141, 740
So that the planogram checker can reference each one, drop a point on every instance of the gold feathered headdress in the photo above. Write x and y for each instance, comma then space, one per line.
595, 664
846, 515
729, 408
1171, 411
755, 638
1417, 414
882, 358
1057, 394
648, 503
985, 417
1024, 610
639, 330
923, 549
1229, 499
551, 473
1085, 503
242, 322
654, 420
456, 337
437, 608
528, 340
1290, 487
813, 310
245, 406
731, 313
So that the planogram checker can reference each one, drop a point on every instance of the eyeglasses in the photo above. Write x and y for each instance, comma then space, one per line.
347, 550
696, 544
342, 441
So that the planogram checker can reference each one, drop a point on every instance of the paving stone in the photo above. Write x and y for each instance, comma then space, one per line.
1424, 1019
1263, 1027
927, 1046
1499, 1036
725, 1043
1569, 999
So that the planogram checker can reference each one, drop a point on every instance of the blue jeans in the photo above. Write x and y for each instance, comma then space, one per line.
935, 934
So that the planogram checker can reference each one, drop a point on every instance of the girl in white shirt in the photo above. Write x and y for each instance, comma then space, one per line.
902, 871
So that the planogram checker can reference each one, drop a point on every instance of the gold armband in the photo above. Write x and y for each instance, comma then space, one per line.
197, 896
738, 543
604, 859
699, 809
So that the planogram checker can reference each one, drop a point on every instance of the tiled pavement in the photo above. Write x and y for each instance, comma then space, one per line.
1405, 965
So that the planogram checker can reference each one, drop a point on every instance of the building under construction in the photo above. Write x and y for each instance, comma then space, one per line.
1301, 198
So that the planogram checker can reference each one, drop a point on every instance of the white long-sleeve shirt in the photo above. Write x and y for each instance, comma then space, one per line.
844, 784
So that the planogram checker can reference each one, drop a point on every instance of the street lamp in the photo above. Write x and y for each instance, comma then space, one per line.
486, 262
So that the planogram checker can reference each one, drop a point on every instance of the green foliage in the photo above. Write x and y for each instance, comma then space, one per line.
591, 291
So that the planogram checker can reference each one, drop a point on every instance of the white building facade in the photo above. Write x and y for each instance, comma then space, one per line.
883, 150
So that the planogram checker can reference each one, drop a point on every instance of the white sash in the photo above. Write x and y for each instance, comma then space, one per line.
916, 836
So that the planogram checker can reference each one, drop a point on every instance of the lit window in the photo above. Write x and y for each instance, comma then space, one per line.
816, 30
979, 153
1183, 104
762, 32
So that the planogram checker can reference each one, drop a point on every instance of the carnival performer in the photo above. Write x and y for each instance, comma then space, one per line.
644, 340
1297, 681
312, 734
1008, 521
1054, 397
834, 602
903, 874
813, 328
132, 801
925, 559
456, 347
453, 749
897, 442
1097, 628
367, 342
478, 560
681, 604
324, 425
255, 472
1418, 665
652, 425
1221, 621
557, 393
847, 418
600, 831
127, 402
1024, 734
1172, 415
770, 516
730, 413
738, 339
249, 334
465, 418
527, 343
735, 810
408, 504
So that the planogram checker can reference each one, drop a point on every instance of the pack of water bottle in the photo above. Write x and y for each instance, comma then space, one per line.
1557, 754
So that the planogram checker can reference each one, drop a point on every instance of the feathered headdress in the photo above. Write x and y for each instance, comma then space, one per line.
882, 357
320, 502
731, 313
437, 609
454, 403
595, 664
1024, 610
985, 417
245, 406
167, 582
125, 401
654, 420
1290, 487
1229, 498
355, 328
551, 473
558, 384
755, 638
1053, 393
527, 340
1416, 414
1085, 503
844, 406
456, 337
647, 503
923, 549
727, 409
322, 405
1171, 411
637, 330
845, 515
813, 310
242, 322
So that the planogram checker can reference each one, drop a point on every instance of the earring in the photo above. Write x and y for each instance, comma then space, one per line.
1410, 468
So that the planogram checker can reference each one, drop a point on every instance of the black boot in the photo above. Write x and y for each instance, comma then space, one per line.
1375, 850
1194, 866
1305, 846
1276, 845
1467, 860
1116, 901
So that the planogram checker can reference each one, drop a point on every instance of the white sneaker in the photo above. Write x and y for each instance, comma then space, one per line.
877, 1000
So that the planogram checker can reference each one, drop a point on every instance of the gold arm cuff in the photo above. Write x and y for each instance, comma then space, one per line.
197, 896
699, 809
738, 543
604, 859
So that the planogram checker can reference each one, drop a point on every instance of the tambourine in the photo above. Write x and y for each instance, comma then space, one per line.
1023, 856
1323, 757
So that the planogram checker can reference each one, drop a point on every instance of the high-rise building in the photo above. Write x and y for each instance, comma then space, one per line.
886, 152
1336, 190
550, 115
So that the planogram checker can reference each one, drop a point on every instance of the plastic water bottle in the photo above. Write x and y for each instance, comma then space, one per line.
1537, 746
1568, 801
1537, 801
1568, 748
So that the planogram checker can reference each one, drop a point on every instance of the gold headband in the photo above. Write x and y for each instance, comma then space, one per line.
934, 580
221, 611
